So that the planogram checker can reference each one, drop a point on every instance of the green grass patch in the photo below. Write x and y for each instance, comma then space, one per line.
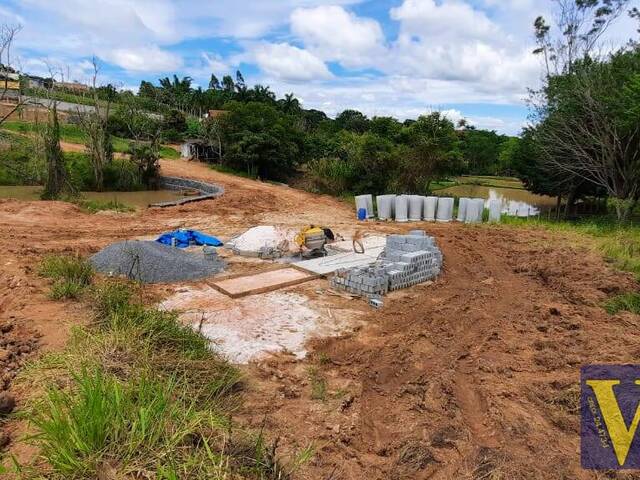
94, 206
618, 243
318, 384
169, 153
63, 96
143, 424
71, 275
627, 302
139, 395
491, 181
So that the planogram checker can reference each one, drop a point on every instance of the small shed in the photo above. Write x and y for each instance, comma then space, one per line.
196, 149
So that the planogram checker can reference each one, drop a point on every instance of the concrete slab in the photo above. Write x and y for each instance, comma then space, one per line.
245, 285
326, 265
252, 328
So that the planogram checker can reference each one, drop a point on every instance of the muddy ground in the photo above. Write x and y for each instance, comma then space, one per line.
475, 376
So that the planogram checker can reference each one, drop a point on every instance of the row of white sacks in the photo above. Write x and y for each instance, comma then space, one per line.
414, 208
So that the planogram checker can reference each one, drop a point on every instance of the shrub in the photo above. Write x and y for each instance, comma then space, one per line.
70, 275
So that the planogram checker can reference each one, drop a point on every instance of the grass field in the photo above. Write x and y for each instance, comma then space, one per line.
484, 181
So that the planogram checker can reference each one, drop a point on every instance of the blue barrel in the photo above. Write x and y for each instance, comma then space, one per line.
362, 214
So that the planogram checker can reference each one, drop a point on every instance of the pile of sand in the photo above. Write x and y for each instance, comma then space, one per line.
258, 240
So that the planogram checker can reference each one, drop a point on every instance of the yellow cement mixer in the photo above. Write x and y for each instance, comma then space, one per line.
312, 240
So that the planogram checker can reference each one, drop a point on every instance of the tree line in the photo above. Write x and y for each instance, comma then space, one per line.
584, 141
276, 138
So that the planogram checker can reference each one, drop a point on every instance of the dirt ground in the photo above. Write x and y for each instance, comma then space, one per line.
474, 376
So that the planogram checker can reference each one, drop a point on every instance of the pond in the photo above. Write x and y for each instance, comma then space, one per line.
515, 202
140, 199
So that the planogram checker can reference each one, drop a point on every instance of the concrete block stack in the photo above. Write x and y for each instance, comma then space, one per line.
407, 260
366, 281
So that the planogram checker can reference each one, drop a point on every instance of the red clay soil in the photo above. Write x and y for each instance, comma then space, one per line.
475, 376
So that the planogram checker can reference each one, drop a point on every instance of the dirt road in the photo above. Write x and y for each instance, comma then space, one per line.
475, 376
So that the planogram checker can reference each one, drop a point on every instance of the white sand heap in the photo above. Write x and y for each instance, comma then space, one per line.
257, 241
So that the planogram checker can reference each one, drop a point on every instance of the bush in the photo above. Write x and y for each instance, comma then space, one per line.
330, 175
70, 275
123, 175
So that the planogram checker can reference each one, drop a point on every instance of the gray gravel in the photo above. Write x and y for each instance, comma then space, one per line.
153, 262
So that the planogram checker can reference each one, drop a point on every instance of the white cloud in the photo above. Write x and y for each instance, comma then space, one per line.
143, 59
286, 62
439, 22
335, 34
434, 52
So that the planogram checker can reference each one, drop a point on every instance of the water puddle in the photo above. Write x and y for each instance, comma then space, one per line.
515, 202
141, 199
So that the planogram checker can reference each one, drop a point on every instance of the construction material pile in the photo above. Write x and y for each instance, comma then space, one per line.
416, 208
407, 260
153, 262
262, 242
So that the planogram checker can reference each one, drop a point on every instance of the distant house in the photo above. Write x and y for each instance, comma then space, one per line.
9, 80
36, 82
214, 113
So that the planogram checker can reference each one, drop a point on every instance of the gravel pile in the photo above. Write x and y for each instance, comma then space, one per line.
153, 262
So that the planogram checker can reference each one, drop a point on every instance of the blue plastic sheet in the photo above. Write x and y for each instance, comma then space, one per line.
186, 238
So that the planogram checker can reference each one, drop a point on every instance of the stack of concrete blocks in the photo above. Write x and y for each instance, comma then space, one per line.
402, 208
430, 207
366, 281
416, 207
407, 260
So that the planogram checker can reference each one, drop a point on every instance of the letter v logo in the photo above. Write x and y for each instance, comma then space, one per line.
621, 436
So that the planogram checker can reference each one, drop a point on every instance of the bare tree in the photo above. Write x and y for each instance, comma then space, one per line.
145, 130
8, 34
94, 123
585, 135
212, 135
579, 27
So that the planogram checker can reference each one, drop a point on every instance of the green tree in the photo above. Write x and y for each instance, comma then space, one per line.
261, 140
386, 127
432, 152
56, 181
353, 121
590, 127
481, 149
214, 83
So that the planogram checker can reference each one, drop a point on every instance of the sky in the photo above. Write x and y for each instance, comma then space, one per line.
469, 58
